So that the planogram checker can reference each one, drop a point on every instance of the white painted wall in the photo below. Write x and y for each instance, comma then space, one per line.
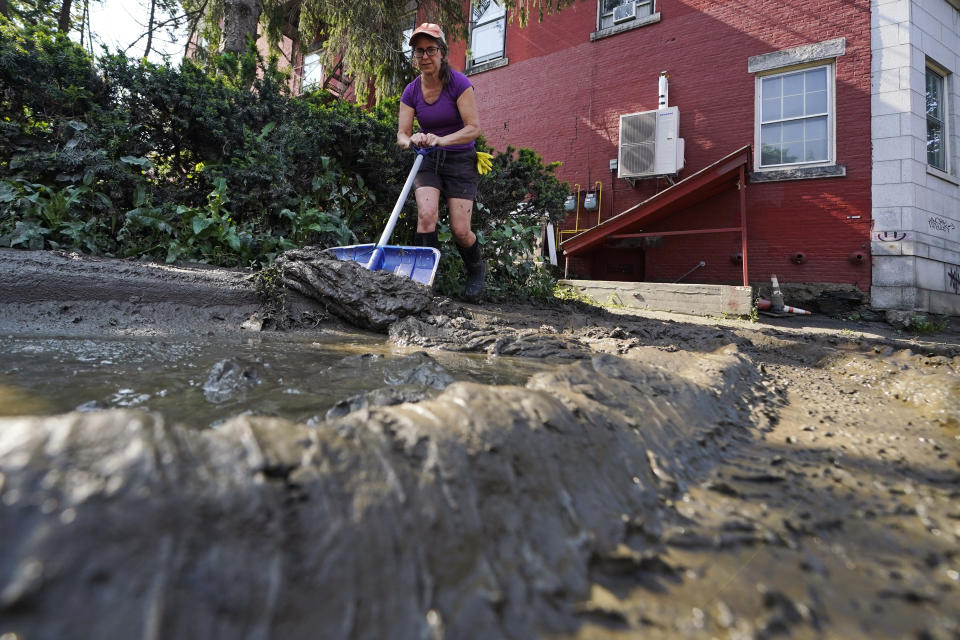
916, 209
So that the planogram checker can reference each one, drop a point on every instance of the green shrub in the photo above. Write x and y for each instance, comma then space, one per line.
220, 164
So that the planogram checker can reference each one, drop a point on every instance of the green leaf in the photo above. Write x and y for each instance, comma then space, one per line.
200, 224
7, 193
140, 162
266, 130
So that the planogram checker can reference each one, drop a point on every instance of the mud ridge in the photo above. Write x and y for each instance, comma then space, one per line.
667, 477
478, 511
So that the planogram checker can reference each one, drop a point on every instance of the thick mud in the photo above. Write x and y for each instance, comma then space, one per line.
661, 476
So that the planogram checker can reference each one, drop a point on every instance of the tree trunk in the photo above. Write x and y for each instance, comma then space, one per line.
64, 21
240, 19
153, 11
4, 11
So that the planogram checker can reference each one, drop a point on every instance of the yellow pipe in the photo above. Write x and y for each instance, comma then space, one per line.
576, 223
598, 185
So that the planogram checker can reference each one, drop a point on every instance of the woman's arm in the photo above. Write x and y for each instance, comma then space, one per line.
405, 126
467, 105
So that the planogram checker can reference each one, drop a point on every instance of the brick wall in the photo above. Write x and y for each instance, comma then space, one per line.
562, 95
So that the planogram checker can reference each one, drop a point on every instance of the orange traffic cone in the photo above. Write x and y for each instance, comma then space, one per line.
764, 304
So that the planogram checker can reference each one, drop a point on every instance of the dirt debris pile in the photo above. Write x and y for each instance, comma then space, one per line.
366, 299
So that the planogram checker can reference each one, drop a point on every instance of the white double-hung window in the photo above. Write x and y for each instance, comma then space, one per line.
409, 24
936, 119
488, 27
311, 76
614, 12
795, 123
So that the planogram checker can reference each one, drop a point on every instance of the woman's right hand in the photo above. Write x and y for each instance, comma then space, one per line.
425, 140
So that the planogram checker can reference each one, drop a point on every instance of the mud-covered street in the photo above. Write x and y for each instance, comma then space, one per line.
655, 476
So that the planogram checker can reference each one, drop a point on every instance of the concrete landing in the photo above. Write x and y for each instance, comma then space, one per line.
695, 299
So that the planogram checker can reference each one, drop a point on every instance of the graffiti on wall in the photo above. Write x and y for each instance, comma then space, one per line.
954, 276
939, 224
889, 236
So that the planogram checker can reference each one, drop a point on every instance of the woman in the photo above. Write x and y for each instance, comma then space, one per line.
442, 101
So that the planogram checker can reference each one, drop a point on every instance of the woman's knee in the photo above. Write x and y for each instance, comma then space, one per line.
427, 215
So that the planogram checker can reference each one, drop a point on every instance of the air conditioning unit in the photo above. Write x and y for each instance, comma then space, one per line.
649, 144
624, 12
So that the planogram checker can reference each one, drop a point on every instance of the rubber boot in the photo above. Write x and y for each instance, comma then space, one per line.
428, 239
476, 270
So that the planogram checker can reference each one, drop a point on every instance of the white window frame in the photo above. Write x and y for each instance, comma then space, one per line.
943, 118
475, 25
831, 115
311, 72
411, 21
605, 18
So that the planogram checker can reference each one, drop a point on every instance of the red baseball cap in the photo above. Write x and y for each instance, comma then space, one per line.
430, 29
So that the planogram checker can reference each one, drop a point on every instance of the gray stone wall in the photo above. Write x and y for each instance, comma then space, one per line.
916, 208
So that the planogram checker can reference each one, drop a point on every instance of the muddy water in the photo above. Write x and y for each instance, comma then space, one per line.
299, 379
652, 478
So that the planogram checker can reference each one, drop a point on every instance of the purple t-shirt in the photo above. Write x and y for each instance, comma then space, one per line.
442, 116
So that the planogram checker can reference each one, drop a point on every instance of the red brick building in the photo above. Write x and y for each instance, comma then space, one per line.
818, 142
561, 85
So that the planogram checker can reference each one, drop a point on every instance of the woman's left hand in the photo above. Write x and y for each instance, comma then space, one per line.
425, 139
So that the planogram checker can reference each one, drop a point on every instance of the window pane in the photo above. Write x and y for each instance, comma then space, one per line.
792, 152
816, 129
769, 155
935, 148
410, 22
792, 106
489, 10
934, 94
770, 144
770, 134
487, 41
312, 75
609, 5
771, 88
816, 102
793, 131
816, 151
816, 80
793, 84
771, 110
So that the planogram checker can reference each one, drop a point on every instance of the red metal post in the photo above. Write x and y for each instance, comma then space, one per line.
743, 224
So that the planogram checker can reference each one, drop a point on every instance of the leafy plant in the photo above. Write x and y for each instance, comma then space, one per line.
216, 162
923, 325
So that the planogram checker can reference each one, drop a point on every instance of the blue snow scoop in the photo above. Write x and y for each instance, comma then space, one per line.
418, 263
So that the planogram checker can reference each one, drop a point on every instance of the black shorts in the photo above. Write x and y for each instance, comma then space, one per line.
454, 173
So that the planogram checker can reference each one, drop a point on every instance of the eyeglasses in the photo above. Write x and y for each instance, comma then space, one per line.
429, 51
